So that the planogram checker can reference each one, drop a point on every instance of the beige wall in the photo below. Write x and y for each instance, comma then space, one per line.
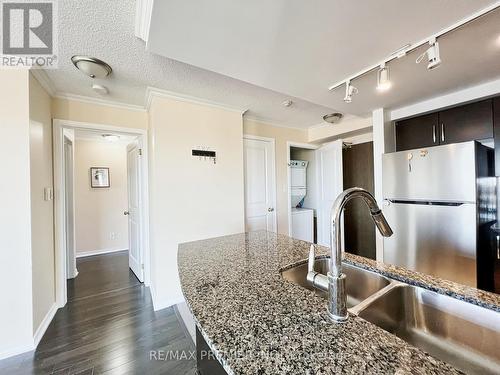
99, 221
74, 110
42, 211
16, 313
281, 137
191, 199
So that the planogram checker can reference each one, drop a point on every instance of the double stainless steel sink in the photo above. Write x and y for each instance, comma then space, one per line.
459, 333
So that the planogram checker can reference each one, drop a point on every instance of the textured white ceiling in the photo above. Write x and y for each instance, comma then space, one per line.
105, 29
301, 47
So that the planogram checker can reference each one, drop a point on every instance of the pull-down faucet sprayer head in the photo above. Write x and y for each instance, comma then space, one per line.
382, 225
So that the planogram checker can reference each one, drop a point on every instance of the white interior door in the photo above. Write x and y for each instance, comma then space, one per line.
260, 185
329, 159
133, 213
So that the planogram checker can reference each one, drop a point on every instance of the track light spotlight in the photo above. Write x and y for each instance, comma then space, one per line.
350, 90
383, 80
432, 54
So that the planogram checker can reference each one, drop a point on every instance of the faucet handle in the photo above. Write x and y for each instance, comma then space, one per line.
314, 278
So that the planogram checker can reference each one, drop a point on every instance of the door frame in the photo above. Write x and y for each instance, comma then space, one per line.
272, 141
290, 144
58, 127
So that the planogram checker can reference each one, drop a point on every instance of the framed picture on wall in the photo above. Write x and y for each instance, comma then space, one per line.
99, 177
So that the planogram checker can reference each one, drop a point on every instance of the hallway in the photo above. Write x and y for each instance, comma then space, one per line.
107, 327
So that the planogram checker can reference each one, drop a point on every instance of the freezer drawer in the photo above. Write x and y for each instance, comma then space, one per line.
433, 239
440, 173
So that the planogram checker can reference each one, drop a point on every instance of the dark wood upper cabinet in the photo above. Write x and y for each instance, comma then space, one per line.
496, 130
417, 132
470, 122
466, 123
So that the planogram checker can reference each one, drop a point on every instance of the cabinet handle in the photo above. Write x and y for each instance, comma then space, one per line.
442, 132
433, 133
498, 247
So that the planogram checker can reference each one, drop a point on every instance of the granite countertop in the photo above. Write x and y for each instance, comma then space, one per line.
258, 323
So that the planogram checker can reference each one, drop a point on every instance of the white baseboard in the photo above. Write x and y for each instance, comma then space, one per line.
97, 252
44, 324
16, 351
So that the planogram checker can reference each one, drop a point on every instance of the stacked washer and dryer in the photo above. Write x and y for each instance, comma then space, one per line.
302, 218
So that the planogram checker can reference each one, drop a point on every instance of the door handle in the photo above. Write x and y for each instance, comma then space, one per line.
270, 209
126, 213
433, 133
442, 132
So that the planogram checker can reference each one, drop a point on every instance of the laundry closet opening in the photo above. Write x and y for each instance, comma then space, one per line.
303, 194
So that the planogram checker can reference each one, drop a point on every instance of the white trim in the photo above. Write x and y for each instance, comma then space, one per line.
43, 79
143, 13
44, 324
272, 141
99, 127
290, 144
28, 347
58, 127
83, 254
99, 101
483, 90
156, 92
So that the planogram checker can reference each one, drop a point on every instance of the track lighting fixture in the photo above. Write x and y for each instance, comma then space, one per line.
350, 90
383, 80
432, 54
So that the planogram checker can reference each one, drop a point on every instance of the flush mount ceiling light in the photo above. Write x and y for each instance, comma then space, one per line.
350, 90
111, 137
333, 118
287, 103
432, 54
91, 66
383, 80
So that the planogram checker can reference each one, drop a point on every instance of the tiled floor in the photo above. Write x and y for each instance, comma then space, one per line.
108, 327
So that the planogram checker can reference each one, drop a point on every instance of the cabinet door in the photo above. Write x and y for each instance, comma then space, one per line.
417, 132
466, 123
496, 129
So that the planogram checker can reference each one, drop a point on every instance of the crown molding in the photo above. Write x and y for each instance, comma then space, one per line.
152, 92
143, 14
44, 80
98, 101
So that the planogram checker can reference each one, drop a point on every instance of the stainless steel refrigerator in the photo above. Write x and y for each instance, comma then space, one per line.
439, 201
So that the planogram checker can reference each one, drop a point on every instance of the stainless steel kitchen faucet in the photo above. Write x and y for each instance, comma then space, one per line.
334, 282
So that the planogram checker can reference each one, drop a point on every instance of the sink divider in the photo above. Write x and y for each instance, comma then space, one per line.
355, 310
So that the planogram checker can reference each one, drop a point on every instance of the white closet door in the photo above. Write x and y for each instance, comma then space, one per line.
260, 187
329, 159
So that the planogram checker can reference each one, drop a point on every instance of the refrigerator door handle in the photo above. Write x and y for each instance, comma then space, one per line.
498, 247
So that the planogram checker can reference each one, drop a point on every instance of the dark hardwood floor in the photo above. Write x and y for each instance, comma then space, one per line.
108, 327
